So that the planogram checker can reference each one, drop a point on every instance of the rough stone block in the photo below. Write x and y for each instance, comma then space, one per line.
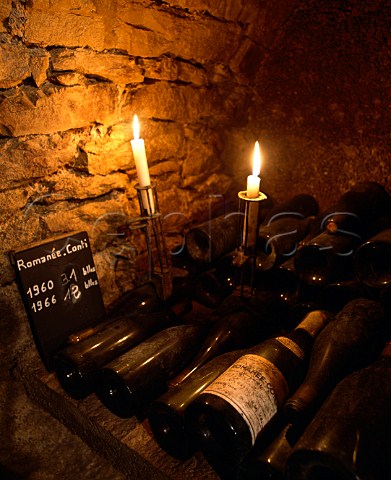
70, 186
197, 38
166, 101
5, 10
55, 25
33, 111
117, 68
140, 31
226, 9
17, 63
28, 158
166, 68
101, 218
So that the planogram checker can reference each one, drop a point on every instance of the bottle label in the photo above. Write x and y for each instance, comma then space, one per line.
314, 322
292, 346
255, 387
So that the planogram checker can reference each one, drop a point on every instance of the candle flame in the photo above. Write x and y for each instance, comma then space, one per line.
136, 128
257, 160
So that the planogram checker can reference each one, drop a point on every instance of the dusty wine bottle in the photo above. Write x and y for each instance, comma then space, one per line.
349, 342
244, 325
142, 299
213, 286
166, 414
130, 381
326, 258
76, 364
335, 296
282, 281
214, 238
357, 208
372, 261
278, 240
227, 417
284, 227
350, 436
269, 462
298, 206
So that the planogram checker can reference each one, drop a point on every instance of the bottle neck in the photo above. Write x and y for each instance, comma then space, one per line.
304, 334
314, 322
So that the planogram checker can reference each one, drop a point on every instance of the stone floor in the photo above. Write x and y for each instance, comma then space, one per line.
35, 446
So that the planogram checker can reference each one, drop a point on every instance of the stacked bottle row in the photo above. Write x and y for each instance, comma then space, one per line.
346, 248
245, 378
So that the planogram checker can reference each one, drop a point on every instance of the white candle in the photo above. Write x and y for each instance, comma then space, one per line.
140, 159
253, 180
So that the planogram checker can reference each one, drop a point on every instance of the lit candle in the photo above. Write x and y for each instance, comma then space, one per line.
140, 159
253, 180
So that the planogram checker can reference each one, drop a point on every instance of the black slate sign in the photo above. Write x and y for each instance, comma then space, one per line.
60, 290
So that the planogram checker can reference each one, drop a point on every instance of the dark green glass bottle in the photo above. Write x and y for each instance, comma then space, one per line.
239, 324
166, 414
349, 342
76, 365
133, 379
350, 436
357, 209
230, 413
372, 261
268, 462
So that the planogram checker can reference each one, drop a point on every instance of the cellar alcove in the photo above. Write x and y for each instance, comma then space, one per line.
309, 79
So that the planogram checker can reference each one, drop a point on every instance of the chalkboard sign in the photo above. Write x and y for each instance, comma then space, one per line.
60, 290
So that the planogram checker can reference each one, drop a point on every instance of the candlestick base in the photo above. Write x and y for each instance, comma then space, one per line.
151, 223
246, 252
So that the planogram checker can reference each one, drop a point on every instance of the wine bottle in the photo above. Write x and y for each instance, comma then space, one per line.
133, 379
326, 258
357, 209
335, 296
239, 324
284, 226
281, 280
229, 414
269, 461
278, 240
210, 288
298, 206
349, 342
142, 299
76, 364
350, 436
372, 261
166, 414
214, 238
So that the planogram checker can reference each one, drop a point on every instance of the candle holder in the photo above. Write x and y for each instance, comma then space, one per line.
150, 221
246, 252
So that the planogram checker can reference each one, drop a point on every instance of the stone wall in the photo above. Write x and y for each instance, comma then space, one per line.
73, 74
309, 79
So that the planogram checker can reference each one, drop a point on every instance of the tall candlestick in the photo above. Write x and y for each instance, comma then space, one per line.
253, 180
140, 159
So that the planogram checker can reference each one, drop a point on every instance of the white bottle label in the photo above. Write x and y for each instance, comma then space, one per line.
255, 387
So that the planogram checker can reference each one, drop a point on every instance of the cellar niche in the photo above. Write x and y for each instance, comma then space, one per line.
309, 80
